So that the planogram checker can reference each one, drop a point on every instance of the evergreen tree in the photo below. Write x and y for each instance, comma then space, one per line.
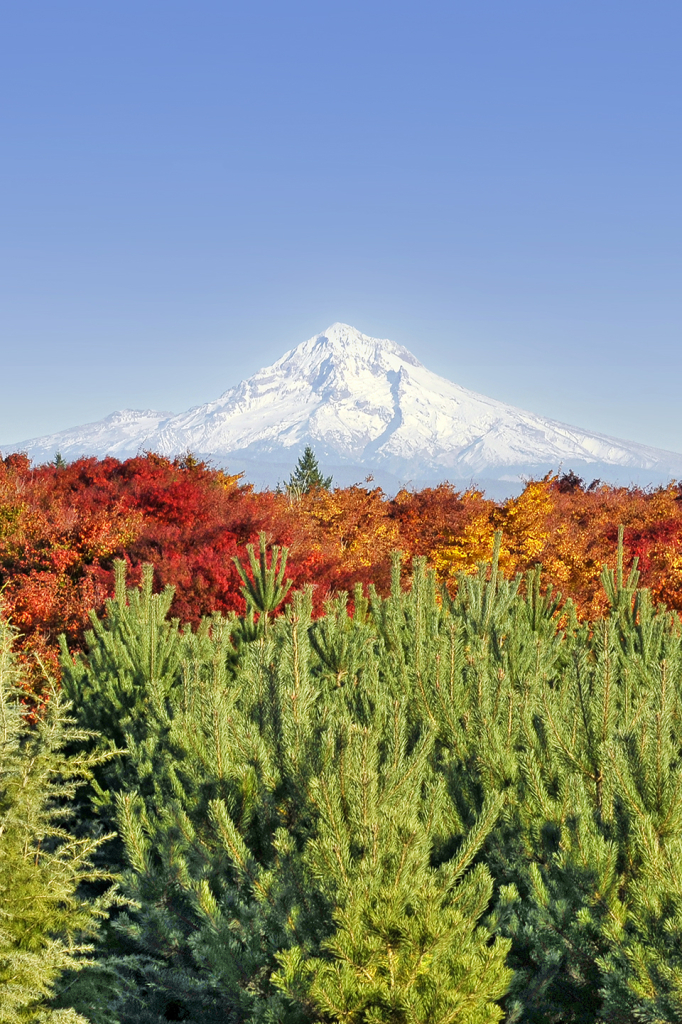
121, 690
616, 806
355, 817
582, 731
46, 922
408, 945
266, 588
307, 477
223, 836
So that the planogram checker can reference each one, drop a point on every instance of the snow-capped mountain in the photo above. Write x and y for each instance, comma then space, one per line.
366, 406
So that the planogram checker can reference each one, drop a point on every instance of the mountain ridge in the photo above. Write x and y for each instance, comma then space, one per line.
365, 405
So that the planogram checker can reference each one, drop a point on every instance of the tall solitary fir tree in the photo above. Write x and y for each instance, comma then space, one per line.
307, 477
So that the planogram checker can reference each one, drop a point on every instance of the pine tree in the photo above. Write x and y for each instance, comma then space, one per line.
46, 923
408, 945
276, 777
307, 477
121, 688
223, 838
168, 698
580, 730
265, 589
594, 818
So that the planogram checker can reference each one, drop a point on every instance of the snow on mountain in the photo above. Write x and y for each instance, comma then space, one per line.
366, 406
121, 434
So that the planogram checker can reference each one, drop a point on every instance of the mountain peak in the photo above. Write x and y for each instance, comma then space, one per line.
365, 404
344, 346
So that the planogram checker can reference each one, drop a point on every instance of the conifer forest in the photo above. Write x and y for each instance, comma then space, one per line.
323, 755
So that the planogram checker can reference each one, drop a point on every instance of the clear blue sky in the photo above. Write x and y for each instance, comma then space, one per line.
187, 189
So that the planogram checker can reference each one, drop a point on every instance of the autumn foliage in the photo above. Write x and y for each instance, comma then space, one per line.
61, 528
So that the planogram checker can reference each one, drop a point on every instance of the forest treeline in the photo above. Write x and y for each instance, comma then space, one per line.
62, 526
439, 809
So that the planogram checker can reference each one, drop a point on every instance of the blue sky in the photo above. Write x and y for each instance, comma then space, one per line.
189, 189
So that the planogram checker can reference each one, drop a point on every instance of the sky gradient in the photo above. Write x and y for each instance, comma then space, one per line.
189, 189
